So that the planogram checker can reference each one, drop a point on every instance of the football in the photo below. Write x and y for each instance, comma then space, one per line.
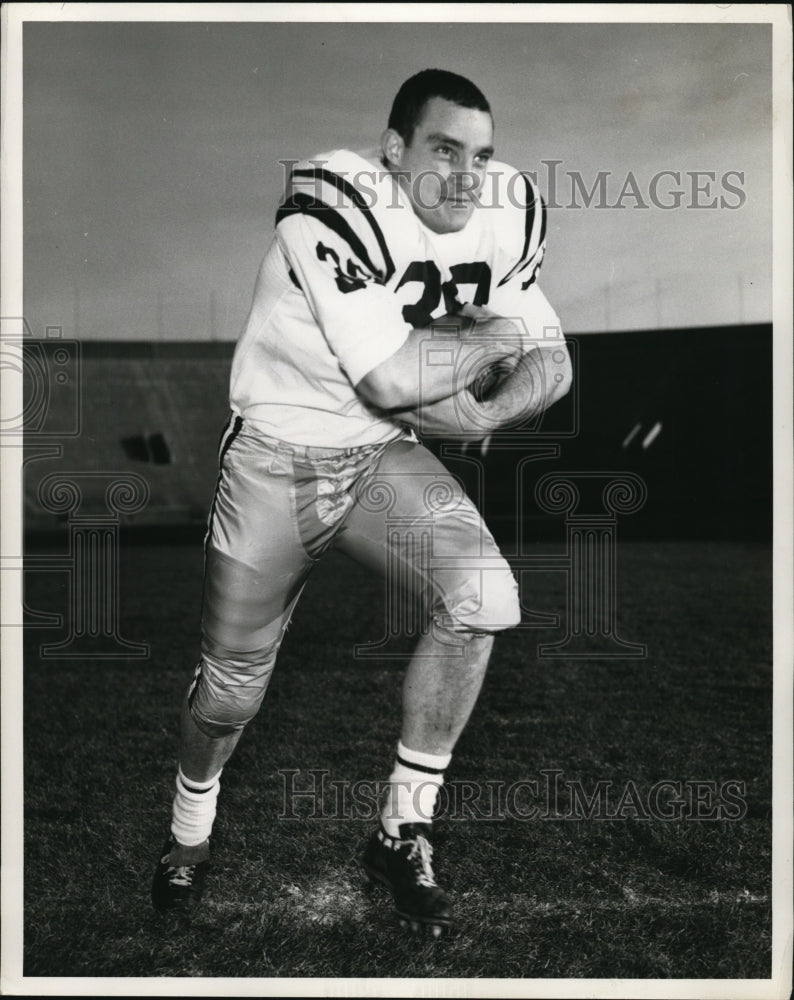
491, 376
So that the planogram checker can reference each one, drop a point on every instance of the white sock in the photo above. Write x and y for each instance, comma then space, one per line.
194, 809
413, 789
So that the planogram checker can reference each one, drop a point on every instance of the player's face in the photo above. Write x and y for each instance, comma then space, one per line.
443, 168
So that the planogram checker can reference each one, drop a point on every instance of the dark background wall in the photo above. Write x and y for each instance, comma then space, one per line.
157, 409
708, 470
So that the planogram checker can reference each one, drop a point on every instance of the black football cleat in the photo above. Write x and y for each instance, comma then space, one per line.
404, 867
178, 887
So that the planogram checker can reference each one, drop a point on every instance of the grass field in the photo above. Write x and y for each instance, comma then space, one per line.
544, 897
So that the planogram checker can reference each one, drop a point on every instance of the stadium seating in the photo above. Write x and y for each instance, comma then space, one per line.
689, 411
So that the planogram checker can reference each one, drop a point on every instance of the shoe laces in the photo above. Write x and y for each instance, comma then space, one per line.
422, 857
181, 875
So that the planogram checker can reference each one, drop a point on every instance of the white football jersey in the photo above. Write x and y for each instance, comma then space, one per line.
351, 270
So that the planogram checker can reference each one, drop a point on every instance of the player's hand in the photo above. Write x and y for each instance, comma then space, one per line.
502, 336
503, 346
499, 339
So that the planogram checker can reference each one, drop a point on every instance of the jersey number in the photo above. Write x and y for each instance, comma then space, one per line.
420, 313
347, 281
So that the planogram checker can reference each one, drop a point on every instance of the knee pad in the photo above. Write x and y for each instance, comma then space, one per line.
232, 678
481, 600
228, 689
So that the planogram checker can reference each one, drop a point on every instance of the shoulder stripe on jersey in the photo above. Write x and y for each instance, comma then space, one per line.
543, 216
360, 202
529, 227
304, 204
541, 238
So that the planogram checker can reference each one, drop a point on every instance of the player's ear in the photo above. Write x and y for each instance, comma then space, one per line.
392, 145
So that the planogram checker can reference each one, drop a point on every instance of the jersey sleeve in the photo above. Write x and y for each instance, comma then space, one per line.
533, 314
337, 257
522, 236
522, 246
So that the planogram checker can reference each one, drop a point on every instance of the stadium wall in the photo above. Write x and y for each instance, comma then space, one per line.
689, 412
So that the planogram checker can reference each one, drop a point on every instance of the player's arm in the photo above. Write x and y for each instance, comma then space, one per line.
429, 367
512, 392
524, 389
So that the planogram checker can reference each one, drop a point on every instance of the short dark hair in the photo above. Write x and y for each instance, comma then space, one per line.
414, 94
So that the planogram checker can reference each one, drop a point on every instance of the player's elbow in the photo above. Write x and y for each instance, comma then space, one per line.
557, 373
563, 375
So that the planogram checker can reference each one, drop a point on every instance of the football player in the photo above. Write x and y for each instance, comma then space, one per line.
396, 283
